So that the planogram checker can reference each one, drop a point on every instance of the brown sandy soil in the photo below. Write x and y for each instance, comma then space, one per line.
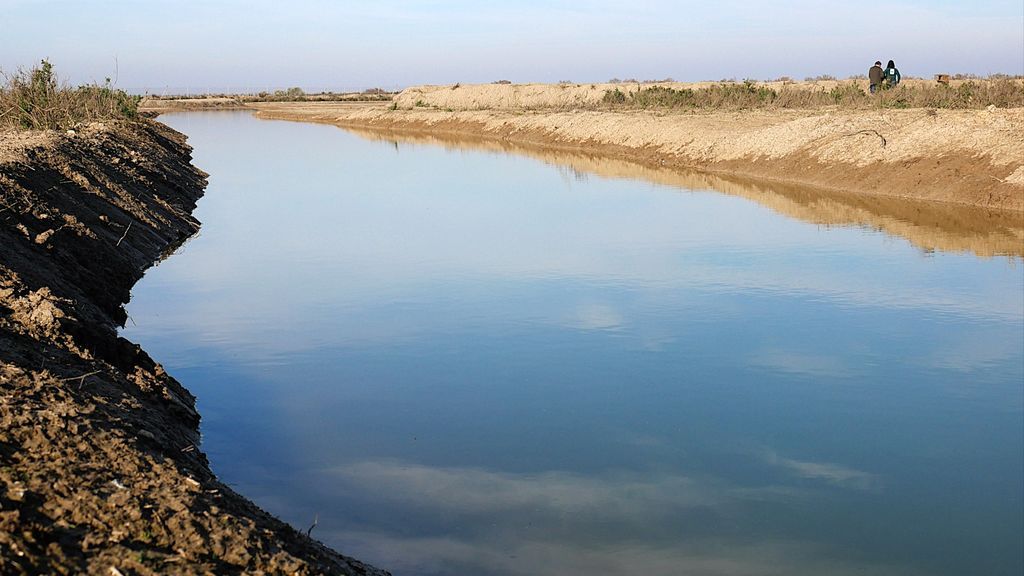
100, 472
966, 157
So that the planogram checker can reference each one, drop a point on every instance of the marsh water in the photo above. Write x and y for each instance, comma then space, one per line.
461, 360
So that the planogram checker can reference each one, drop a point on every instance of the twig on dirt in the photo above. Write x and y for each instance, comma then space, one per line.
316, 519
123, 236
875, 132
81, 379
160, 523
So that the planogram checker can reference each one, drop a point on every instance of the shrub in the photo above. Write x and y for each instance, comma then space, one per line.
847, 93
614, 97
36, 100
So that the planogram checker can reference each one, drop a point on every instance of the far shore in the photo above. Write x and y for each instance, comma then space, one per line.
960, 157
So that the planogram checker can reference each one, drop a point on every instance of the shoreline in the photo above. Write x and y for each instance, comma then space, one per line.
101, 465
961, 157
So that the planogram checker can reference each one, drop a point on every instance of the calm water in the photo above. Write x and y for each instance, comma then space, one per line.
470, 362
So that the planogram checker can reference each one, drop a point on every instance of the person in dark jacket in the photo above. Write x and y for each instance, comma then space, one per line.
875, 76
892, 75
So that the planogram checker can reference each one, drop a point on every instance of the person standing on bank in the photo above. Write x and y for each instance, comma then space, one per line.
892, 75
875, 76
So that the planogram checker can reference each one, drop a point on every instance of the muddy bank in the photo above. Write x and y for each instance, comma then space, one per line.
963, 157
99, 461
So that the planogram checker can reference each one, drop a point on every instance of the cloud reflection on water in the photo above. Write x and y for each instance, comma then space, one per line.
566, 523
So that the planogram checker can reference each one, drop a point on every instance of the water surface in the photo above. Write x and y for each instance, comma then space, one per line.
465, 361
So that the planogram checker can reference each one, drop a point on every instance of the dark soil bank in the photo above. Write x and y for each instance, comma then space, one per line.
99, 463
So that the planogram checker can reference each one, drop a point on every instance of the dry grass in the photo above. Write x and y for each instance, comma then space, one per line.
1000, 92
35, 100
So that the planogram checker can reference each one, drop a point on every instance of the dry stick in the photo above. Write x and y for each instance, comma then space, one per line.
81, 379
124, 235
875, 132
316, 518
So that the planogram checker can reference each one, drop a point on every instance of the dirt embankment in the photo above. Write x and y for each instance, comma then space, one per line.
100, 472
967, 157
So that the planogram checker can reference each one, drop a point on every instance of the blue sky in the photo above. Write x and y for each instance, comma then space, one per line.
176, 45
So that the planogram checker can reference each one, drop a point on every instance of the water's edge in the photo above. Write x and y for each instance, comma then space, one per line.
99, 443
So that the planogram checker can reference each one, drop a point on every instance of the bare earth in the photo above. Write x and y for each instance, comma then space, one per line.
967, 157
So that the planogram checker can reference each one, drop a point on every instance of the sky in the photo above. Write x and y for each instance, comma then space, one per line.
176, 46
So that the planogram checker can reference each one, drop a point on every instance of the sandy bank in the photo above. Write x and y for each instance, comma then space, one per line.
101, 470
966, 157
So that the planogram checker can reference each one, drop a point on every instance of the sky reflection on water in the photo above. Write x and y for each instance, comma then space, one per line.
465, 362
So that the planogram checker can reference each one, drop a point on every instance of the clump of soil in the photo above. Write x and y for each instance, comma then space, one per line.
100, 470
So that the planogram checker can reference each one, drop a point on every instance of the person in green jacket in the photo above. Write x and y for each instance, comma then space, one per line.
892, 75
875, 76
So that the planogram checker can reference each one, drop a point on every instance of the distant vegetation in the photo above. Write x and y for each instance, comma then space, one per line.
298, 95
36, 100
1001, 92
294, 94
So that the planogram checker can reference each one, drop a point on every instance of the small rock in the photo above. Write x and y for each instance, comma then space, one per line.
42, 238
991, 107
71, 132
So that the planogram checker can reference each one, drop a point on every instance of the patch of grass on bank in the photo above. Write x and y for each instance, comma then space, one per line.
35, 100
997, 91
